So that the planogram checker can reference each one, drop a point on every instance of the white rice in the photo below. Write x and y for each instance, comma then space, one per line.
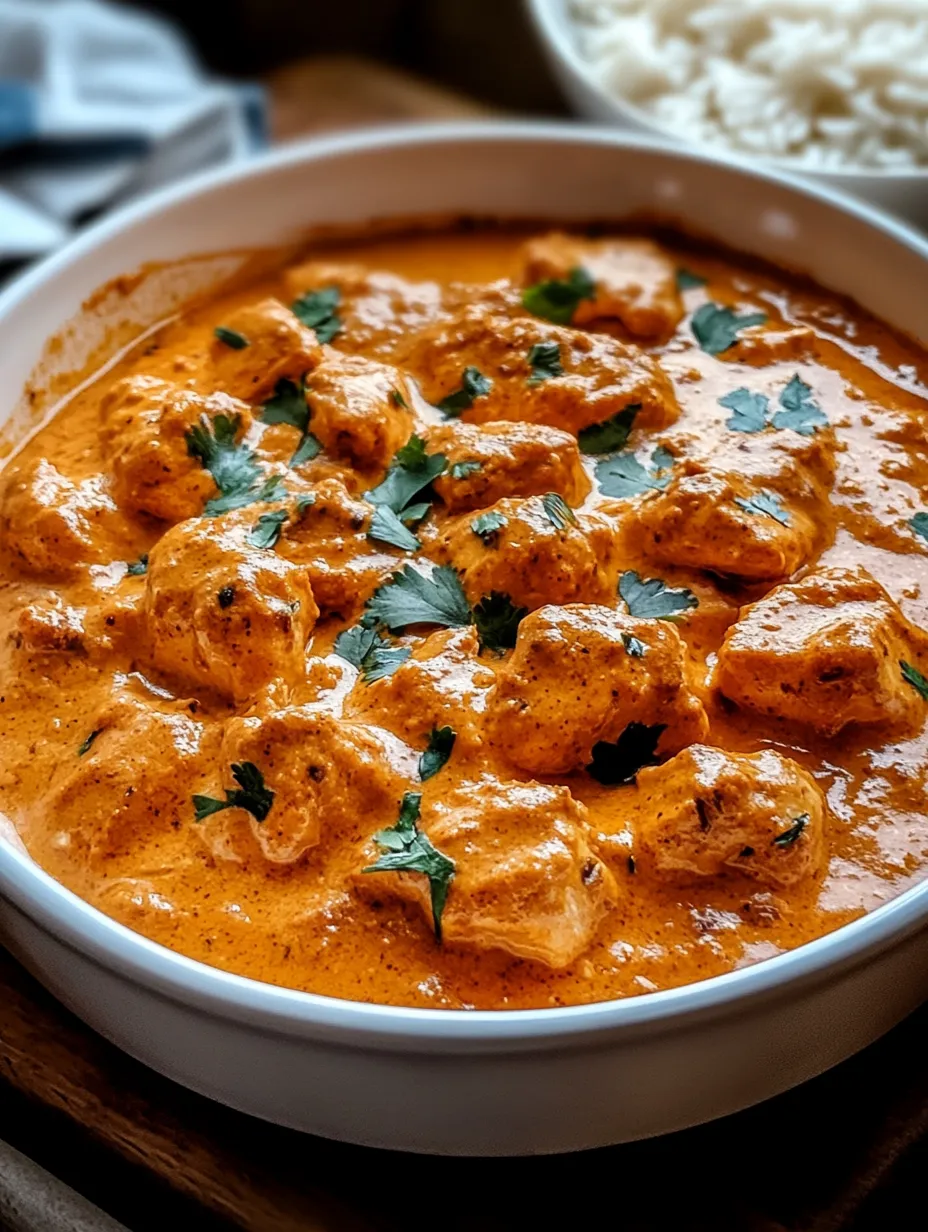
822, 83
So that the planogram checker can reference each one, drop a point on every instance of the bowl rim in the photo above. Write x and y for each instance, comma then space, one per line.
559, 45
114, 947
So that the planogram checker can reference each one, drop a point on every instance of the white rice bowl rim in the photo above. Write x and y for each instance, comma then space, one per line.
560, 40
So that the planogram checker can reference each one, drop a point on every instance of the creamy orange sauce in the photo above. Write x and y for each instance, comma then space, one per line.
294, 908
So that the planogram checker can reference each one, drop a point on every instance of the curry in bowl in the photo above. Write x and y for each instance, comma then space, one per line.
487, 618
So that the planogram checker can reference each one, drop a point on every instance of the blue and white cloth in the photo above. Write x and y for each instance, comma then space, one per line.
100, 103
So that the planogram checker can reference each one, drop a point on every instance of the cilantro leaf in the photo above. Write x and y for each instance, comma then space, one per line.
232, 466
473, 385
560, 514
765, 503
545, 360
624, 476
370, 653
308, 448
750, 410
487, 527
397, 399
251, 795
408, 850
460, 470
611, 434
85, 745
411, 471
716, 328
634, 646
687, 280
138, 568
266, 531
497, 619
616, 762
911, 675
317, 310
654, 598
386, 527
792, 833
413, 598
920, 524
557, 299
231, 338
287, 405
799, 412
437, 752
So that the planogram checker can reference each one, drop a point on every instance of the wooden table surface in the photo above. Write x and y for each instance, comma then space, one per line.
843, 1154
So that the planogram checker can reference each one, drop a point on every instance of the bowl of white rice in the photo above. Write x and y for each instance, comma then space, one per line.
836, 90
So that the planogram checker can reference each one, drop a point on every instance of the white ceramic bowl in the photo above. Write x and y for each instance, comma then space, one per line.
456, 1081
902, 192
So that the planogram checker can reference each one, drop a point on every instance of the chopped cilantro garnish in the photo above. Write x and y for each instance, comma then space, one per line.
799, 411
287, 405
137, 568
317, 310
85, 745
308, 448
473, 385
749, 410
460, 470
611, 434
557, 299
398, 400
654, 598
559, 513
370, 652
716, 328
688, 281
624, 476
497, 619
437, 752
633, 646
765, 503
232, 466
911, 675
386, 527
231, 338
545, 361
411, 472
413, 598
792, 833
266, 531
407, 850
619, 761
486, 526
920, 524
251, 795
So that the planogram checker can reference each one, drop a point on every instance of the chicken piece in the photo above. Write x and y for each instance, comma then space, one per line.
580, 675
146, 423
378, 313
50, 626
223, 614
325, 777
54, 526
525, 878
505, 459
600, 376
359, 408
724, 524
532, 555
710, 813
327, 536
827, 651
278, 346
127, 777
442, 683
635, 282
